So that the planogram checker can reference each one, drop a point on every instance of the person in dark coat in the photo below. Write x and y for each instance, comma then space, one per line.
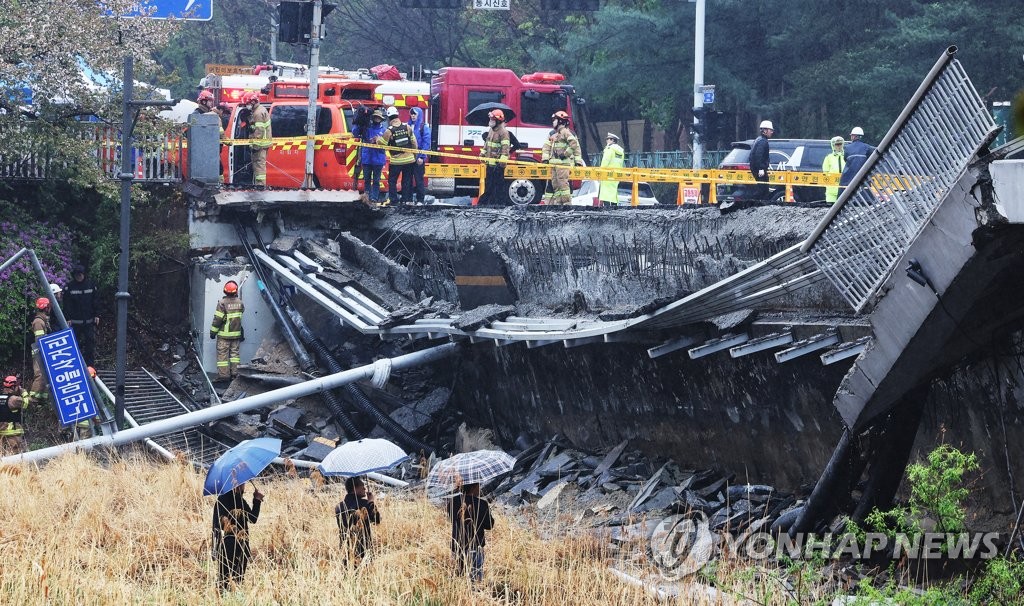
231, 519
355, 514
471, 519
80, 310
855, 155
759, 163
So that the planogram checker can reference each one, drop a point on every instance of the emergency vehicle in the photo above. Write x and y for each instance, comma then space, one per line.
454, 91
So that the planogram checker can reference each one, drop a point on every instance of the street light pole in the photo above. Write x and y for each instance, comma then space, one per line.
314, 91
698, 79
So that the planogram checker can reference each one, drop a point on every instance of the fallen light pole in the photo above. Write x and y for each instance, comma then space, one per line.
227, 409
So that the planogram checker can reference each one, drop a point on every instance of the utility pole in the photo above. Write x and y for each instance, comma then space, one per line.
273, 36
698, 80
129, 114
314, 90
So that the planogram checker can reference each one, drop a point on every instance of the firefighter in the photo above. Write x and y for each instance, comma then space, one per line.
834, 163
260, 138
227, 330
80, 311
57, 292
497, 147
545, 153
759, 163
12, 424
40, 326
401, 139
87, 428
563, 153
613, 157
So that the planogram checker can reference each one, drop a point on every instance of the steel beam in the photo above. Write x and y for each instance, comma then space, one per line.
776, 339
670, 346
802, 348
717, 345
845, 350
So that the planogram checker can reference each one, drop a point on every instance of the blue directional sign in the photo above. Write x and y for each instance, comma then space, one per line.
69, 379
189, 10
709, 97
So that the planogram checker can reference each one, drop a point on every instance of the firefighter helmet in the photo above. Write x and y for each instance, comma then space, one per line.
42, 303
766, 124
249, 96
857, 131
56, 289
561, 116
497, 114
392, 112
10, 381
231, 288
205, 96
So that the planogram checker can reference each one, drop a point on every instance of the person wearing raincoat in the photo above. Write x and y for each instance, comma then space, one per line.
471, 519
834, 163
613, 158
231, 519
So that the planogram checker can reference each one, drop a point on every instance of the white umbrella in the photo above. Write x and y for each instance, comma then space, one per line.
361, 457
475, 467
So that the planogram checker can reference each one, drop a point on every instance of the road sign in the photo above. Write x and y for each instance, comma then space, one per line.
709, 97
492, 5
189, 10
69, 379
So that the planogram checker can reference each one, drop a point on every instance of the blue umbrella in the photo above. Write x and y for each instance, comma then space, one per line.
240, 464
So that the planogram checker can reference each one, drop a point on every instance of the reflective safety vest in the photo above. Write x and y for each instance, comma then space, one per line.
400, 135
496, 144
11, 418
227, 319
259, 123
564, 149
40, 325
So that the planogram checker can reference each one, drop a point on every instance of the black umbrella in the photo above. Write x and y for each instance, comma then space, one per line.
478, 115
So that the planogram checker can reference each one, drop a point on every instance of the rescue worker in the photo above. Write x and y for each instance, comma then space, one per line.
834, 163
227, 330
12, 424
372, 159
400, 138
759, 165
546, 151
58, 293
80, 311
40, 326
613, 157
855, 154
421, 130
87, 428
497, 146
563, 153
231, 519
259, 136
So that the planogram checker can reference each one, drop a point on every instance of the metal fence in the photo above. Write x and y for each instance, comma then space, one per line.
667, 159
888, 204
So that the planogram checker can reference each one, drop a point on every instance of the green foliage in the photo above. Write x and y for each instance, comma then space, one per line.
1001, 583
936, 488
893, 593
20, 286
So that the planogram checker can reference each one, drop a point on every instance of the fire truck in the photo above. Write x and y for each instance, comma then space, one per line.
454, 91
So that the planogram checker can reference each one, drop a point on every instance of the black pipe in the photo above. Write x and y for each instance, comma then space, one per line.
824, 495
355, 394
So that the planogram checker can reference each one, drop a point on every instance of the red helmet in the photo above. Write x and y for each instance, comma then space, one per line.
42, 303
92, 371
562, 116
249, 96
10, 381
497, 114
231, 288
205, 96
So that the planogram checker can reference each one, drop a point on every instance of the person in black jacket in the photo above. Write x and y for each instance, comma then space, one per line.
79, 309
231, 519
855, 155
471, 519
759, 164
355, 514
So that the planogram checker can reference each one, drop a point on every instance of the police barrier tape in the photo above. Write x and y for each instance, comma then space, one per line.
519, 169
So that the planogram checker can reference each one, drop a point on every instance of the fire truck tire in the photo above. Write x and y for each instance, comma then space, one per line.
524, 191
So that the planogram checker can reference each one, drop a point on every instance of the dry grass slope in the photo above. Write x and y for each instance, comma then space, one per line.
137, 532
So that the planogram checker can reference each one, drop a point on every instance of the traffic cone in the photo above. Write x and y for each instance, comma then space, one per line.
475, 201
789, 193
679, 194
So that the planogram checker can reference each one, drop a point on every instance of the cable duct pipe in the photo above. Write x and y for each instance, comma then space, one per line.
206, 415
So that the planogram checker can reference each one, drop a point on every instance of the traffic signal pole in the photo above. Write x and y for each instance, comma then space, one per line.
698, 81
314, 90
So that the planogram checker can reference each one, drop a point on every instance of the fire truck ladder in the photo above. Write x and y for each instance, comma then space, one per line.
147, 400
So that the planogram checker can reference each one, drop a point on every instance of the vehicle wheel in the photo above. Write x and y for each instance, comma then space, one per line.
778, 197
524, 191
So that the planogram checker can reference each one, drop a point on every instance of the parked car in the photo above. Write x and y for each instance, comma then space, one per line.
586, 195
803, 155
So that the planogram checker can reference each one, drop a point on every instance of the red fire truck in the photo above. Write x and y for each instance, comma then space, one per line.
454, 91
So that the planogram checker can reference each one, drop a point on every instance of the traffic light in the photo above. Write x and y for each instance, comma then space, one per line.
700, 121
451, 4
569, 5
295, 20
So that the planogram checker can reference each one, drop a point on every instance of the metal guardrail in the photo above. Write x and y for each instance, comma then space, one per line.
665, 159
874, 222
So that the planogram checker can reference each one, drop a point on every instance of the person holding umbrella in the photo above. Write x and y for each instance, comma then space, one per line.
355, 514
494, 154
231, 518
471, 519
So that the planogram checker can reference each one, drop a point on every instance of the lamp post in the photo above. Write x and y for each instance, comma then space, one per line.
698, 78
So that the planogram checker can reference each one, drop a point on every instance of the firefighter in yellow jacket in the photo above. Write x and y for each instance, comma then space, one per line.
260, 137
562, 152
12, 425
497, 146
40, 326
227, 329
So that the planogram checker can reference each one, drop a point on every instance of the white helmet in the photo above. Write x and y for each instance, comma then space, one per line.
392, 112
766, 124
56, 289
857, 131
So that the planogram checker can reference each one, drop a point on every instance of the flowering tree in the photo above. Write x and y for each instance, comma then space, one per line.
45, 45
